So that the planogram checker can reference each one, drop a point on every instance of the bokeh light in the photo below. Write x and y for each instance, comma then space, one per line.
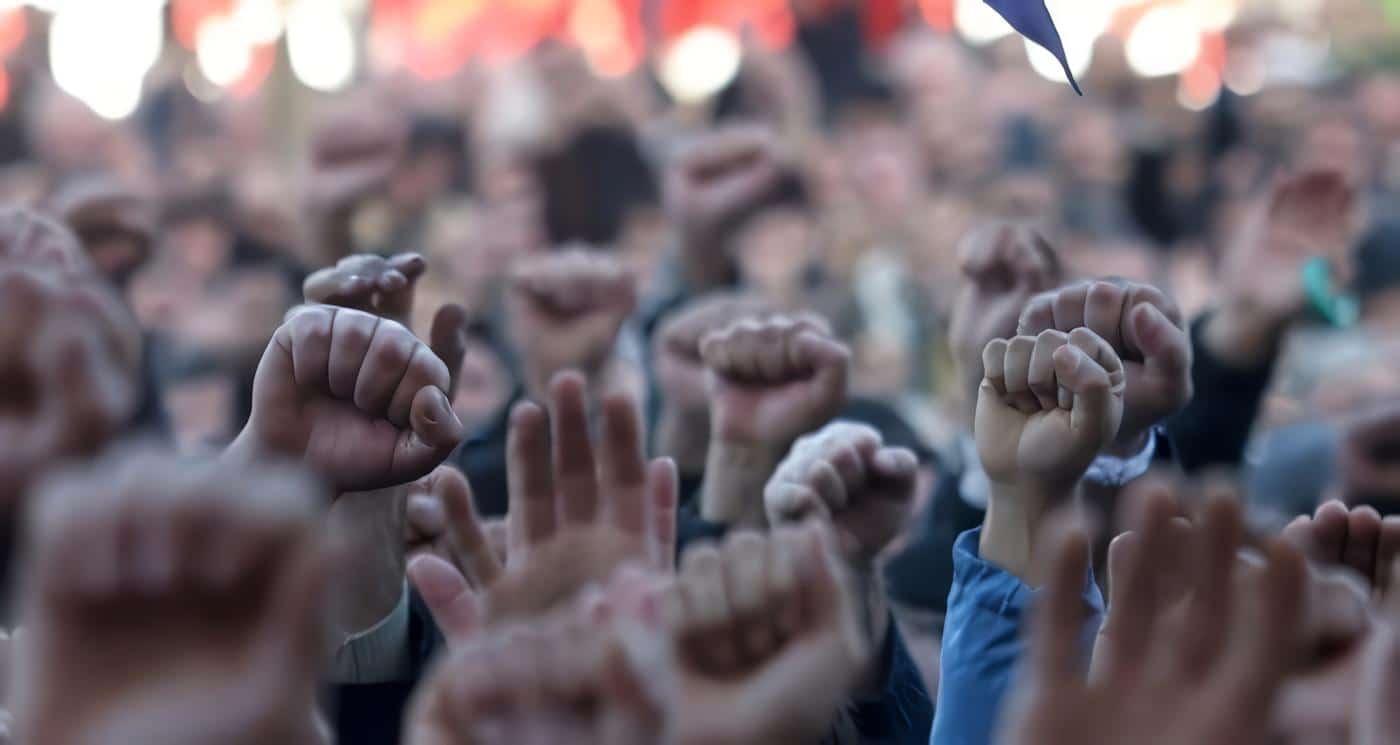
1165, 41
700, 63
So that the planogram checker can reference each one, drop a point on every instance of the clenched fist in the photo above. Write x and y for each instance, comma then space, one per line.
69, 356
845, 474
1144, 328
566, 310
358, 398
1048, 404
772, 380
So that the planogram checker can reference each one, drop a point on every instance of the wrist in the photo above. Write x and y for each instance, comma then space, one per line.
1128, 444
1243, 336
684, 436
735, 474
1015, 515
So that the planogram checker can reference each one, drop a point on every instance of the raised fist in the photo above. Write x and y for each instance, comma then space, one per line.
843, 474
1047, 406
353, 153
69, 356
680, 370
763, 639
708, 185
358, 398
547, 681
115, 223
1144, 328
566, 310
171, 602
32, 240
770, 381
1003, 266
384, 287
373, 284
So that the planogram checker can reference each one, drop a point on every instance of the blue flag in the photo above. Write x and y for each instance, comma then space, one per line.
1032, 20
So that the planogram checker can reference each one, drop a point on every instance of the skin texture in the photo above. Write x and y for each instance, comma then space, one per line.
566, 310
1047, 406
358, 398
1002, 266
761, 639
1146, 331
844, 475
385, 288
683, 426
573, 517
562, 679
1312, 213
1207, 672
67, 374
769, 381
710, 183
173, 602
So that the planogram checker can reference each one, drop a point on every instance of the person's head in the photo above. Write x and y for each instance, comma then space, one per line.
776, 246
1335, 141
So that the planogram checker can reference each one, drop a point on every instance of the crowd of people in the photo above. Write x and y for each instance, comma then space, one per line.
894, 395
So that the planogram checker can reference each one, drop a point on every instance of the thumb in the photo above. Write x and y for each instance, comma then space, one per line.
453, 605
434, 432
448, 340
1094, 415
1163, 345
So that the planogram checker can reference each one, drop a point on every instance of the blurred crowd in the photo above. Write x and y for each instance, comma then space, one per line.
890, 395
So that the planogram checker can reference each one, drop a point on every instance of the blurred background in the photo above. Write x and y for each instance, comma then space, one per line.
526, 124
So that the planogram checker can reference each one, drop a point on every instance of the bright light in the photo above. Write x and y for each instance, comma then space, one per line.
258, 21
321, 44
223, 53
1214, 15
100, 51
700, 63
1244, 74
1164, 42
1080, 23
978, 23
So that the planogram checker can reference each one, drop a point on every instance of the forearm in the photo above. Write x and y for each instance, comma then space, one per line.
1015, 515
735, 474
370, 577
1215, 425
684, 436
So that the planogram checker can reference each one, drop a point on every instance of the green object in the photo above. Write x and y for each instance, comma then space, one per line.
1341, 309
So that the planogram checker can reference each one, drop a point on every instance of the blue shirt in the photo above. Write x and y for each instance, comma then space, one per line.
982, 641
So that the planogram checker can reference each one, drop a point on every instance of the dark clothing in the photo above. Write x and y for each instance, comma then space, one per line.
374, 713
1214, 427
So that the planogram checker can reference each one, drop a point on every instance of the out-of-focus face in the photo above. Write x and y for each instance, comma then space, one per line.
118, 256
201, 246
774, 250
881, 166
1091, 149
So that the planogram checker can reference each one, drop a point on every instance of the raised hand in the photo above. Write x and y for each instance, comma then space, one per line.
566, 310
845, 475
684, 424
1356, 538
1310, 214
353, 153
1046, 407
116, 224
384, 287
708, 185
573, 518
1144, 327
36, 241
1368, 462
171, 602
564, 680
769, 382
1206, 672
763, 640
69, 356
358, 398
1003, 266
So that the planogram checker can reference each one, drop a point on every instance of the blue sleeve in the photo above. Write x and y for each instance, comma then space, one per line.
982, 641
